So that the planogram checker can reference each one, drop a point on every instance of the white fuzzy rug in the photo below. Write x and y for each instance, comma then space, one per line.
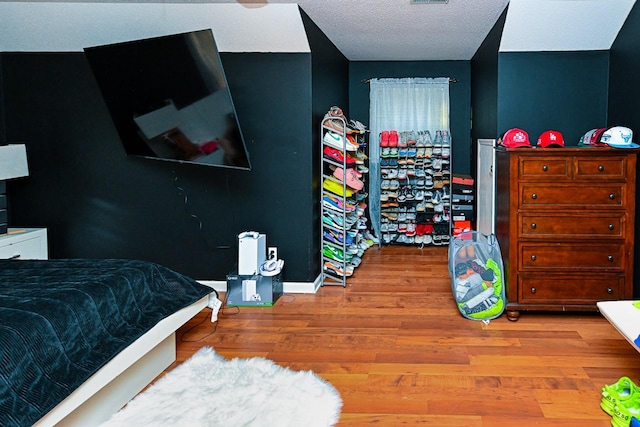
208, 390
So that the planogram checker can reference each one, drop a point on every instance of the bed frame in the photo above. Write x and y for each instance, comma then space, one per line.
124, 376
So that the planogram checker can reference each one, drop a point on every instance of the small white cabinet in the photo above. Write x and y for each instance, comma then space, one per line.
24, 243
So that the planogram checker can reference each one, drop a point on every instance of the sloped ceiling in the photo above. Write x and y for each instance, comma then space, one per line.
374, 30
563, 25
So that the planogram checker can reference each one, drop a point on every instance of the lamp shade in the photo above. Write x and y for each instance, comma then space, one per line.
13, 161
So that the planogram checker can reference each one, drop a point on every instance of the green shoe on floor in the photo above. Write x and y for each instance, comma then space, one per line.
624, 389
624, 411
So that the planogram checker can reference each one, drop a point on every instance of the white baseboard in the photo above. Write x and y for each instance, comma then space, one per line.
287, 287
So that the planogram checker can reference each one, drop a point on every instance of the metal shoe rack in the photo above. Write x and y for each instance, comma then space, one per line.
339, 216
415, 194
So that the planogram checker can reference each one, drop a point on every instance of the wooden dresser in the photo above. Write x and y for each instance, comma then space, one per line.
565, 225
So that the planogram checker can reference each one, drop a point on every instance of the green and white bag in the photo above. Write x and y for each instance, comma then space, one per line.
476, 270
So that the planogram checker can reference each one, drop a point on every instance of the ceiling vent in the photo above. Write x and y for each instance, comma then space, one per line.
428, 1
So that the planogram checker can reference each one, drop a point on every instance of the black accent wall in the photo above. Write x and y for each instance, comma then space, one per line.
459, 96
563, 91
484, 88
329, 87
98, 202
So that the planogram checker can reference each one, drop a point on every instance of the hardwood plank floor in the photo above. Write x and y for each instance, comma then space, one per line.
395, 346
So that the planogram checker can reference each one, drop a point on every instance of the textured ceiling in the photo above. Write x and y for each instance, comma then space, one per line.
396, 30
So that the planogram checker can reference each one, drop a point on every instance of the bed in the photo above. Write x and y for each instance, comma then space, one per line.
80, 338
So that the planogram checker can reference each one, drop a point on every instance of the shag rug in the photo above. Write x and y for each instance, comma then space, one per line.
208, 390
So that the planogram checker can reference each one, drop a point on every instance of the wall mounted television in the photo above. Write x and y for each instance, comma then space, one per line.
169, 99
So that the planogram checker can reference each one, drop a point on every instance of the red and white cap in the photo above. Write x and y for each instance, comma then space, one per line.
550, 138
514, 138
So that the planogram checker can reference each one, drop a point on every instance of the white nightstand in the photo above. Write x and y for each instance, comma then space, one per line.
24, 243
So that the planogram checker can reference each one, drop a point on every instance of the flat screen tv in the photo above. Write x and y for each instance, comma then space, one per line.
169, 99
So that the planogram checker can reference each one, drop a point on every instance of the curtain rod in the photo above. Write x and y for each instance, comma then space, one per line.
451, 79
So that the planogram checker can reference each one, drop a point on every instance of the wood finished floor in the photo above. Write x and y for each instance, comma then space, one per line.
394, 345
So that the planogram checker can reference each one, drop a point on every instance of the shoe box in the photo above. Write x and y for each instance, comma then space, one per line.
462, 198
245, 290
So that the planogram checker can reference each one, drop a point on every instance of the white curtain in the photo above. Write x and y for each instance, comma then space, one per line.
403, 105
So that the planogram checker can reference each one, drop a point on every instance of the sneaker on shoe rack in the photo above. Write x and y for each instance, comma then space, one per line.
353, 155
350, 177
356, 125
355, 261
333, 185
385, 152
335, 203
418, 240
369, 236
446, 138
384, 138
445, 192
393, 174
363, 169
393, 152
334, 253
337, 269
336, 141
427, 140
393, 138
336, 237
336, 155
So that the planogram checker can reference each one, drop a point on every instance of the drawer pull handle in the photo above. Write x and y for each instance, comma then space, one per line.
534, 225
612, 196
601, 168
611, 227
533, 290
609, 291
545, 168
535, 196
610, 258
533, 257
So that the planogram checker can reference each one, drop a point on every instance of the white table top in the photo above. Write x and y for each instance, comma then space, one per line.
624, 316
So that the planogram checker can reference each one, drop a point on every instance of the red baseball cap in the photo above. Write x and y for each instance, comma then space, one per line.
596, 137
514, 138
550, 138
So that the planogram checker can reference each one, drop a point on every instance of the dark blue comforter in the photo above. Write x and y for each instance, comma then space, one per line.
61, 320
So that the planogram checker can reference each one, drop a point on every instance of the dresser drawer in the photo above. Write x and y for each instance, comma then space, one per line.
572, 196
561, 225
545, 168
575, 289
613, 168
572, 256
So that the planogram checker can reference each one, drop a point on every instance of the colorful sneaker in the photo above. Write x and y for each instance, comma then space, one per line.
335, 203
334, 253
336, 187
336, 141
393, 138
625, 410
337, 269
384, 138
350, 178
614, 394
331, 153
